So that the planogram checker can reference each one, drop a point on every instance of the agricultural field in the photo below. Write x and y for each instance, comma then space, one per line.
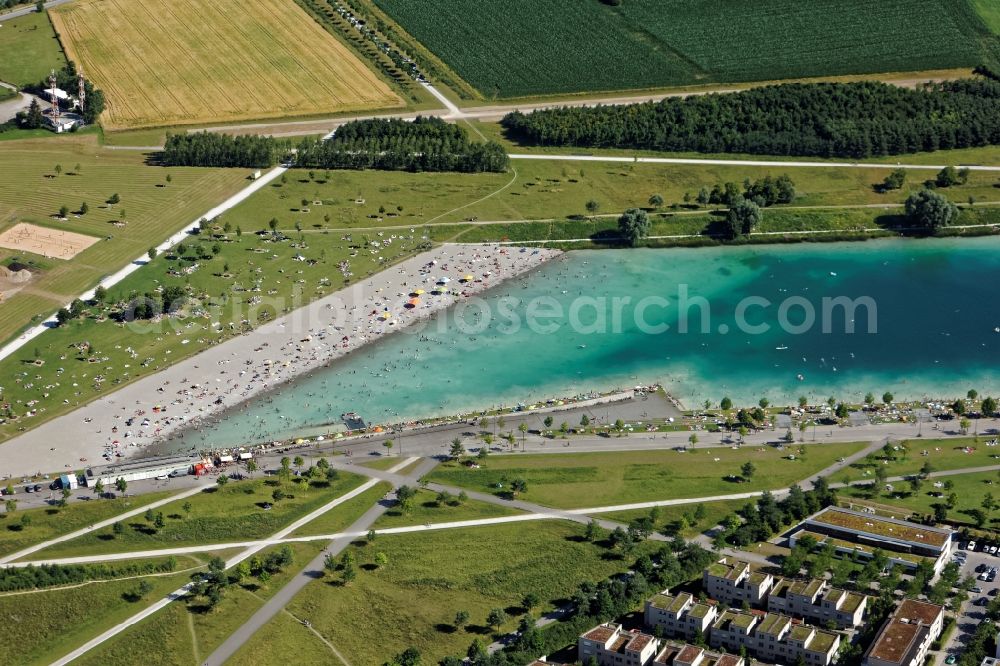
277, 62
30, 50
234, 512
990, 11
602, 479
429, 577
39, 176
546, 49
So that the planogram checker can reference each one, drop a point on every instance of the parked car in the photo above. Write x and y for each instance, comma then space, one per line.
981, 568
977, 590
29, 489
38, 487
972, 546
951, 659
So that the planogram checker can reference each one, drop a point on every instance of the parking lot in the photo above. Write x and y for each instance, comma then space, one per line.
973, 612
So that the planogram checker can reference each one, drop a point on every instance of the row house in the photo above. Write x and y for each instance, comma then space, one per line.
733, 582
679, 615
774, 637
611, 645
817, 601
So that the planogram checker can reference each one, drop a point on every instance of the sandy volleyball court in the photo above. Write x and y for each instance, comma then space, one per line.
51, 243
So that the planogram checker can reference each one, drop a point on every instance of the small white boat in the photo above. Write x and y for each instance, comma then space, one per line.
781, 348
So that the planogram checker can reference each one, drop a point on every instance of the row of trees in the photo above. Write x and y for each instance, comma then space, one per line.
824, 119
223, 150
425, 144
51, 575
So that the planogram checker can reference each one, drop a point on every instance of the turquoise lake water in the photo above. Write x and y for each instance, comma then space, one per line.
936, 314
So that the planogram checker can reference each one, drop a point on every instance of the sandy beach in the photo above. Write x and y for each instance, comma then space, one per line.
129, 420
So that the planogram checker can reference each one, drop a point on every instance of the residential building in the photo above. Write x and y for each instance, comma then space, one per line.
774, 637
611, 645
868, 531
906, 637
679, 615
733, 582
815, 600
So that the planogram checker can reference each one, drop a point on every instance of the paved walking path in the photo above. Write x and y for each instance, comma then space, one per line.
183, 591
764, 163
313, 571
98, 525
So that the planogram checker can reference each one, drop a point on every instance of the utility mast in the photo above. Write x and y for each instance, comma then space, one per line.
81, 92
52, 95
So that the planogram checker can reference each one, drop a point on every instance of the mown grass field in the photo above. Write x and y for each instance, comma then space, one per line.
941, 454
344, 515
426, 510
434, 206
160, 63
432, 575
970, 488
233, 512
41, 627
602, 479
30, 191
182, 635
547, 46
30, 50
544, 190
221, 294
669, 516
50, 522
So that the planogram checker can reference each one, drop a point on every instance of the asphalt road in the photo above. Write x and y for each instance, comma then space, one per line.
29, 9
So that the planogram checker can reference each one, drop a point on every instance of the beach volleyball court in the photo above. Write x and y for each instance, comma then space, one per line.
51, 243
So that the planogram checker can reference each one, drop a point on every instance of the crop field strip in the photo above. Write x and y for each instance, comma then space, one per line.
641, 44
277, 62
